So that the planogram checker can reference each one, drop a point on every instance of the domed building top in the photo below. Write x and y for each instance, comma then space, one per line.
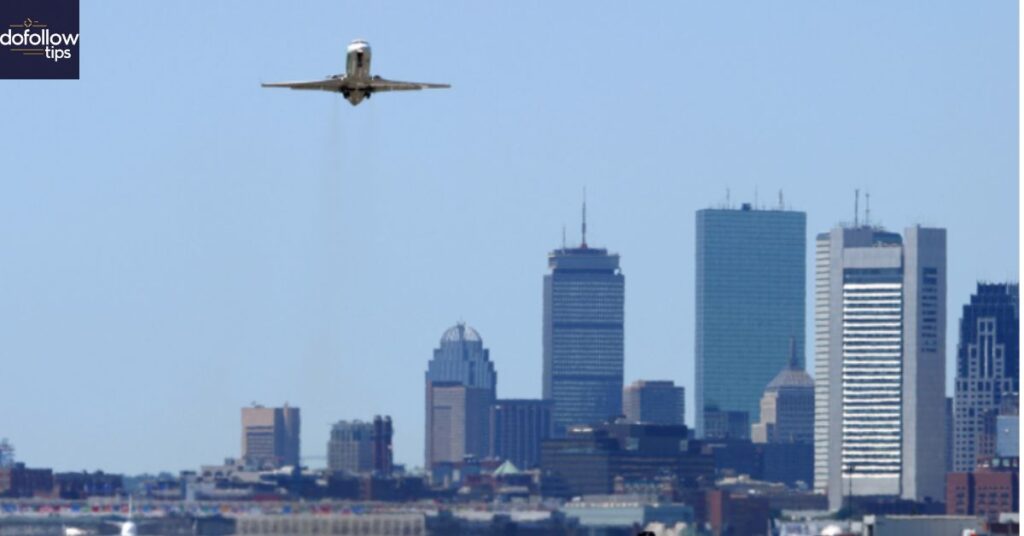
791, 376
460, 333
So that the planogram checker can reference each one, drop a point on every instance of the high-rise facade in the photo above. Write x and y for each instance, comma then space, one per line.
361, 447
270, 436
654, 402
880, 320
787, 408
987, 369
518, 426
456, 419
350, 447
383, 451
583, 335
458, 422
749, 302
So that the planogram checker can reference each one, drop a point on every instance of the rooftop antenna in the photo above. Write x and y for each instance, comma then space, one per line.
563, 236
867, 209
856, 208
782, 205
583, 244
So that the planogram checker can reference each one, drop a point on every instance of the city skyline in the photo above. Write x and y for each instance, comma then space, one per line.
197, 247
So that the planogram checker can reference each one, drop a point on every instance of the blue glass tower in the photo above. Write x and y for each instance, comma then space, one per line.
750, 301
583, 335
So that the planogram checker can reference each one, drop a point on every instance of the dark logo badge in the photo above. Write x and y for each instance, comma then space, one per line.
39, 39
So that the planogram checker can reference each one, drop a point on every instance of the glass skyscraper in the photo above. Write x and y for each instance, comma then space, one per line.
987, 367
583, 332
750, 293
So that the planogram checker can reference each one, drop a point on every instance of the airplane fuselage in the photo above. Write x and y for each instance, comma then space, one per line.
357, 68
356, 83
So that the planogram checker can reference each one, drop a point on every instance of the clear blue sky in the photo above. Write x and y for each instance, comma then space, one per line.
176, 242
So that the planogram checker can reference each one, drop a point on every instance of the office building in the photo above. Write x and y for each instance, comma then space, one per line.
750, 293
457, 417
456, 420
987, 369
518, 426
592, 460
722, 424
583, 335
654, 402
787, 407
350, 447
383, 451
986, 491
880, 321
270, 437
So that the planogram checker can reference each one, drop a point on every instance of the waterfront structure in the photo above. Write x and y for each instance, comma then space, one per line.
655, 402
456, 420
987, 370
518, 426
350, 447
270, 436
584, 296
750, 291
880, 321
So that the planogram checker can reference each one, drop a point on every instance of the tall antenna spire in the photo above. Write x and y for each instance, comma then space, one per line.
782, 206
867, 209
583, 243
856, 208
563, 236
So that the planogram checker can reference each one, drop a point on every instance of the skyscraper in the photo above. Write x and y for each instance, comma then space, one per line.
880, 320
270, 436
350, 447
453, 417
750, 302
583, 334
787, 407
361, 447
383, 452
654, 402
458, 422
786, 430
987, 367
517, 428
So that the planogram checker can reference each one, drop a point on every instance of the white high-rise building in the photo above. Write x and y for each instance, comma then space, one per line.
880, 320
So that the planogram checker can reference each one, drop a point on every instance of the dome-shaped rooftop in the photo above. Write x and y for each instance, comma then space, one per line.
791, 377
460, 333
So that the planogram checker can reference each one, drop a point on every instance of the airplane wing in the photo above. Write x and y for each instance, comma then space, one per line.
377, 83
333, 83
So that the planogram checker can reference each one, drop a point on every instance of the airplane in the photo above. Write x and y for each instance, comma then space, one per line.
356, 83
